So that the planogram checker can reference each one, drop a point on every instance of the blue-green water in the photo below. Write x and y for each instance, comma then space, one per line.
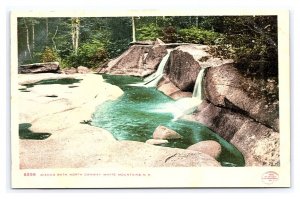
136, 114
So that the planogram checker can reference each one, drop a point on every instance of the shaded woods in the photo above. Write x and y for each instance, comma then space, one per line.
250, 40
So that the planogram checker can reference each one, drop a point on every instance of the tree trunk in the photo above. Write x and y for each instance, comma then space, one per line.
133, 30
27, 39
47, 29
53, 41
75, 33
197, 21
33, 36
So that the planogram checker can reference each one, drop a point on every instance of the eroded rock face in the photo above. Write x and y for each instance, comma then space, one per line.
258, 144
209, 147
223, 121
226, 87
138, 60
186, 62
165, 133
183, 69
155, 55
166, 86
47, 67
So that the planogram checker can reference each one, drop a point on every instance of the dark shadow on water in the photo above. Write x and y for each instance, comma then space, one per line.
51, 96
62, 81
25, 133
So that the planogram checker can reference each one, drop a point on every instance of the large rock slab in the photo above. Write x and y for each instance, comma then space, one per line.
258, 144
84, 146
223, 121
183, 68
155, 55
75, 144
186, 62
47, 67
145, 155
225, 86
164, 133
138, 60
156, 141
166, 86
209, 147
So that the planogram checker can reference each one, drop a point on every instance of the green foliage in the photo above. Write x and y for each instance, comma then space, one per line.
253, 41
116, 47
198, 35
148, 32
89, 55
250, 40
49, 55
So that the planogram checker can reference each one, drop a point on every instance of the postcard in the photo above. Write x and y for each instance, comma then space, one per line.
150, 99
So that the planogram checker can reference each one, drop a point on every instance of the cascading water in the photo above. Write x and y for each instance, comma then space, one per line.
198, 90
152, 80
188, 105
132, 117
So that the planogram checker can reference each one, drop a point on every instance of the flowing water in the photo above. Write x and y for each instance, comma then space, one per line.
152, 80
136, 114
188, 105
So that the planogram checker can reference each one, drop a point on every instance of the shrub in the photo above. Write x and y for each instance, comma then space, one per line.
89, 55
148, 32
199, 36
49, 55
116, 47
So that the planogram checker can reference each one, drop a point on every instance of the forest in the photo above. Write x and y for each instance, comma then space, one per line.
251, 41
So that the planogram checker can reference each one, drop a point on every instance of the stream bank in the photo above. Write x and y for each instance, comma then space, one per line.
235, 106
75, 144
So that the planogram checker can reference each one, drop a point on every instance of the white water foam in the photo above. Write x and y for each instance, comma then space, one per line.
152, 80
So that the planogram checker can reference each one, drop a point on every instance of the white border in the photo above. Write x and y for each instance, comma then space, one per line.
161, 177
6, 6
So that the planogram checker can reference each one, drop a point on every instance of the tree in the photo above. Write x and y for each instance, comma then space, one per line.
75, 33
27, 39
133, 29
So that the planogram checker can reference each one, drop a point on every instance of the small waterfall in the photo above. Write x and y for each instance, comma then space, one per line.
153, 80
186, 106
198, 90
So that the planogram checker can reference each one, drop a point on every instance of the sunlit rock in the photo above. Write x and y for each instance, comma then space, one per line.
156, 141
209, 147
165, 133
